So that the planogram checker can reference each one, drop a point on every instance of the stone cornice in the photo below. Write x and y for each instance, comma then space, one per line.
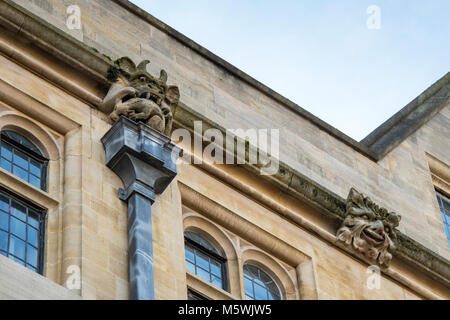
299, 186
71, 53
247, 78
375, 146
240, 226
78, 56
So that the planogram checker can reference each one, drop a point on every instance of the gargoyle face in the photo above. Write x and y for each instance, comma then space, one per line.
370, 237
374, 233
368, 228
147, 88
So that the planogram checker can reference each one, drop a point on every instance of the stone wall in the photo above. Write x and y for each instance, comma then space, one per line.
231, 103
89, 223
18, 283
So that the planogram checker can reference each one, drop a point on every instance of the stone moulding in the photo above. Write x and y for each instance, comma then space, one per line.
332, 205
368, 229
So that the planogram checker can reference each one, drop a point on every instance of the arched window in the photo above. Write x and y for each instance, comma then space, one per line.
22, 158
203, 260
259, 285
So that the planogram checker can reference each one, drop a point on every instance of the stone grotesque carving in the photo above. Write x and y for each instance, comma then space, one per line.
139, 96
368, 228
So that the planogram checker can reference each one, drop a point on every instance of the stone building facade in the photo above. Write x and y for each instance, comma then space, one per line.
94, 203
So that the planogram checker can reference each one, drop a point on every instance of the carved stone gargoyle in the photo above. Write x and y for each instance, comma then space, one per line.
139, 96
368, 229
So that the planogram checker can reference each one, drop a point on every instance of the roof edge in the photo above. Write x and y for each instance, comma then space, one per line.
79, 56
247, 78
406, 121
375, 146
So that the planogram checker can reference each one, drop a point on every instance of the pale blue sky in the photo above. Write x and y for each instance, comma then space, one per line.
320, 53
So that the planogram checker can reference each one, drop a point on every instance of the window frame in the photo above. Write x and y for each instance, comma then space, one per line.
30, 153
195, 294
440, 196
280, 293
206, 251
42, 213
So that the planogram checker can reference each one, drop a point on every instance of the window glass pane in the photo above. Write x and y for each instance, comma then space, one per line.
12, 135
248, 286
272, 287
21, 173
446, 205
35, 167
260, 292
4, 203
17, 260
217, 281
251, 271
200, 241
259, 282
20, 240
247, 297
35, 181
202, 260
6, 151
190, 267
5, 164
189, 254
203, 274
17, 247
17, 228
3, 241
4, 221
20, 159
33, 219
22, 141
19, 211
22, 162
32, 256
32, 236
216, 268
265, 278
447, 231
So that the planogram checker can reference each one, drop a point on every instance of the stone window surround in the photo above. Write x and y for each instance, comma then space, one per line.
13, 121
238, 253
59, 138
440, 174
